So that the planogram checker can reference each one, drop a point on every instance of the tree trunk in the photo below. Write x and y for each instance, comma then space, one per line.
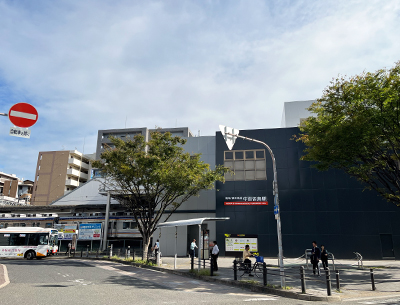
146, 244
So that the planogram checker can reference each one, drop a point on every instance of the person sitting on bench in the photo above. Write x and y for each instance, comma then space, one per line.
246, 256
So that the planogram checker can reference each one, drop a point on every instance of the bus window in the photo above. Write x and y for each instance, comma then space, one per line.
43, 239
17, 239
4, 239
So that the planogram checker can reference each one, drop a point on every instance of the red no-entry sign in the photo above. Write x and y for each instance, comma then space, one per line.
23, 115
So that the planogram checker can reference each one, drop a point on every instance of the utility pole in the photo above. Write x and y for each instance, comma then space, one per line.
230, 141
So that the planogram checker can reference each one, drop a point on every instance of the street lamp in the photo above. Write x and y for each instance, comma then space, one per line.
230, 135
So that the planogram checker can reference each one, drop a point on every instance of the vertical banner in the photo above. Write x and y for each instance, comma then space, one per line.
89, 231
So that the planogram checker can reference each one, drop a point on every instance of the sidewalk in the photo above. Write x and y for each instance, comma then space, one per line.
354, 282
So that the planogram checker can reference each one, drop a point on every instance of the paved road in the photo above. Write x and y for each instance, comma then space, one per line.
61, 281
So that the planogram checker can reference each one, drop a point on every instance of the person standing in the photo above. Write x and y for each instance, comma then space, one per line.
324, 257
193, 247
315, 257
68, 249
156, 247
214, 255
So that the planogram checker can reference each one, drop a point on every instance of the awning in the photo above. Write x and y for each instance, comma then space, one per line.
190, 222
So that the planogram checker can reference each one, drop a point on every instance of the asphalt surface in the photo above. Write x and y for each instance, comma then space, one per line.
68, 281
62, 281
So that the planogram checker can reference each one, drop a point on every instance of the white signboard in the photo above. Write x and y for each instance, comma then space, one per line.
89, 231
20, 132
238, 244
65, 232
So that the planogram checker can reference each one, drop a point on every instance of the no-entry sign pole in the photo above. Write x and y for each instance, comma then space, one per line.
230, 135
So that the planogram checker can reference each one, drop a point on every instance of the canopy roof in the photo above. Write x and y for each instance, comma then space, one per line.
190, 222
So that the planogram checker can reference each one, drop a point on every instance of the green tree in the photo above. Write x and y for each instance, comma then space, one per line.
357, 129
155, 177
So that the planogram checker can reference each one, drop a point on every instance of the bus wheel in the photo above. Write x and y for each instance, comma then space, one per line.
30, 255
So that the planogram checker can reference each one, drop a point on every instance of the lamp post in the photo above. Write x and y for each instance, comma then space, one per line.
230, 135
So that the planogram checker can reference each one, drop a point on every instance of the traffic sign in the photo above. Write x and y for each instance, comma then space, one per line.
229, 139
23, 115
276, 210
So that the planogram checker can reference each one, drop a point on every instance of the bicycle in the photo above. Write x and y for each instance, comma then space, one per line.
256, 268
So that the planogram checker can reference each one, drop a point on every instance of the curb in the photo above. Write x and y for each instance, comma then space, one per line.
6, 279
274, 291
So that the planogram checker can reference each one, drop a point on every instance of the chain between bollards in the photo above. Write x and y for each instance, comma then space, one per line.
303, 279
328, 282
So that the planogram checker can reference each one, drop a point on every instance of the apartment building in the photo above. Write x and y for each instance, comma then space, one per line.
57, 173
103, 138
14, 190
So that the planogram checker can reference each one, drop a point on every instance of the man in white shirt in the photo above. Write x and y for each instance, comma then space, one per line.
214, 255
193, 247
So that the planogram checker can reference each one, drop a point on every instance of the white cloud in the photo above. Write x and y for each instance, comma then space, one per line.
94, 64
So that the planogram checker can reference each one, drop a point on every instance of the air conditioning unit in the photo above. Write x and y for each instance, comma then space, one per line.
113, 214
79, 214
44, 215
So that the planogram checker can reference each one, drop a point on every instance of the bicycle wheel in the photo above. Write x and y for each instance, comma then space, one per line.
258, 268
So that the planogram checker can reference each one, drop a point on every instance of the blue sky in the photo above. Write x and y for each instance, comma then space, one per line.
90, 65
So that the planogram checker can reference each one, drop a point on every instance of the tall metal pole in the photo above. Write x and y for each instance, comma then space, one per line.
106, 220
276, 202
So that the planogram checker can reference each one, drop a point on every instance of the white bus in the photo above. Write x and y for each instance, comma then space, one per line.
28, 242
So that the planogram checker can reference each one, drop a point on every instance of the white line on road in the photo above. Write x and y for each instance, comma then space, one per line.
260, 299
6, 279
23, 115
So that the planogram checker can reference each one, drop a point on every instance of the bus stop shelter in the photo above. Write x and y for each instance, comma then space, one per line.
189, 222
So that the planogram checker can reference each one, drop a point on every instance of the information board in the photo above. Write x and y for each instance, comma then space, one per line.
65, 232
235, 243
89, 231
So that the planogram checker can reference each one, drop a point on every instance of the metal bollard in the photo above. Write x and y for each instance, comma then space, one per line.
119, 253
111, 251
211, 266
337, 281
328, 282
97, 253
303, 279
81, 253
265, 274
129, 251
126, 253
133, 254
192, 262
87, 250
235, 270
372, 279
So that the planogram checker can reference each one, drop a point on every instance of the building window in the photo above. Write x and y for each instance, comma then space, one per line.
246, 165
126, 225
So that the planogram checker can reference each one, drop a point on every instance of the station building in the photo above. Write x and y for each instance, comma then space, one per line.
329, 207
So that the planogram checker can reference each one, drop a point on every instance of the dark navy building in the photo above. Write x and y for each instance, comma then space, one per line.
329, 207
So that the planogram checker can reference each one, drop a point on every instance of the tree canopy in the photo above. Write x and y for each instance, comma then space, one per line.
357, 129
155, 177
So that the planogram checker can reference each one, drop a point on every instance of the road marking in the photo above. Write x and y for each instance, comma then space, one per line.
260, 299
387, 301
6, 279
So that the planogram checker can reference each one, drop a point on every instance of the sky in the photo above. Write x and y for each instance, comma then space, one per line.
90, 65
